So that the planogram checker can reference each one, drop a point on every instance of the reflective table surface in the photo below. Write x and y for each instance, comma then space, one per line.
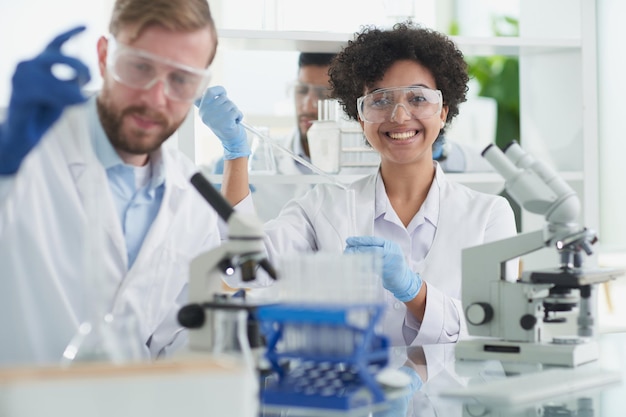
437, 374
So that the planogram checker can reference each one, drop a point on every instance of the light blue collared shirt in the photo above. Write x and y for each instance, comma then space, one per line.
136, 208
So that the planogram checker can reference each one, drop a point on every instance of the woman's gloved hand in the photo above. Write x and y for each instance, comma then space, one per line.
398, 278
222, 116
38, 98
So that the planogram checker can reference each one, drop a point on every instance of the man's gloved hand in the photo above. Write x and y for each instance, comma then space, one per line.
38, 98
403, 283
222, 116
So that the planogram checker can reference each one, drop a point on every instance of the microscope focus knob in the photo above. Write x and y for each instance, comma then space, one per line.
191, 316
528, 321
479, 313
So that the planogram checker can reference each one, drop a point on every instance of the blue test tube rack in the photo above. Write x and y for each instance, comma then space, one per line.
338, 373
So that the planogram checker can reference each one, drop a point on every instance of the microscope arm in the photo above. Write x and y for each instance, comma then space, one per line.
483, 267
486, 262
244, 251
244, 247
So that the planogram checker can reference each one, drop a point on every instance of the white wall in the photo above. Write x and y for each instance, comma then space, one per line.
27, 26
611, 103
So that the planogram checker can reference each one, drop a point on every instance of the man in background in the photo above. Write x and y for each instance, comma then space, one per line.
313, 84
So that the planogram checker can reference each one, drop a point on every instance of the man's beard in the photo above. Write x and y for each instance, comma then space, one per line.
132, 142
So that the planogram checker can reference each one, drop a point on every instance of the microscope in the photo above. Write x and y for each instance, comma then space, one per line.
218, 321
505, 316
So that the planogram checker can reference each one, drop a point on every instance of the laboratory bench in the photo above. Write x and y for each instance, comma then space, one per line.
491, 388
210, 386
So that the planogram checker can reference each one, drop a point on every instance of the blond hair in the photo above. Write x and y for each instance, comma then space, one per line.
175, 15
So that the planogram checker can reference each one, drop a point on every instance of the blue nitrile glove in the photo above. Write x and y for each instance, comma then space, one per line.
38, 98
439, 148
398, 278
222, 116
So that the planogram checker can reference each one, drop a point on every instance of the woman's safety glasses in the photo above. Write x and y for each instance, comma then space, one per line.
139, 69
383, 105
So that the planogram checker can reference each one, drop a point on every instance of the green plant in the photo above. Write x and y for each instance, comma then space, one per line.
498, 78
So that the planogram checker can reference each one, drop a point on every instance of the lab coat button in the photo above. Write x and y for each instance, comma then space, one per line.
397, 305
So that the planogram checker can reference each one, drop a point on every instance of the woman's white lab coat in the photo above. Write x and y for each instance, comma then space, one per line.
49, 212
319, 221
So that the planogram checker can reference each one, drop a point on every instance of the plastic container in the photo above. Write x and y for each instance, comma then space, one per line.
324, 138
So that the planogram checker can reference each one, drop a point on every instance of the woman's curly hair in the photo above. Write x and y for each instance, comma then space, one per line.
366, 59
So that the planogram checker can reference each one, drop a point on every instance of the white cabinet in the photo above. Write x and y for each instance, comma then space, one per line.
558, 98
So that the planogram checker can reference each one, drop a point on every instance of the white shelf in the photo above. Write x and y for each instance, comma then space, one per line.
332, 42
486, 182
470, 178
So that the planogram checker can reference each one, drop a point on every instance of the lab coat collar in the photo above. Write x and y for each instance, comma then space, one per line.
79, 152
88, 173
101, 144
365, 193
90, 141
107, 155
78, 147
430, 207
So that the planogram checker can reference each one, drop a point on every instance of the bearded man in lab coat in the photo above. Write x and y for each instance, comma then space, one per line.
97, 218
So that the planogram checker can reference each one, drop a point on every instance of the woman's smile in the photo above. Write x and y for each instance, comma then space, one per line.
402, 135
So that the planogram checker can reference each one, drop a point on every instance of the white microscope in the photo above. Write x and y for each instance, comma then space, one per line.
216, 320
508, 315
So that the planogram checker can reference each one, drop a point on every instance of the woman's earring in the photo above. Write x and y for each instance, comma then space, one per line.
443, 123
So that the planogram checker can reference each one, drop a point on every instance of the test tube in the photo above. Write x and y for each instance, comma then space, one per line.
351, 201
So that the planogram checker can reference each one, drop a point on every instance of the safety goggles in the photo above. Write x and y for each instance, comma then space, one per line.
139, 69
383, 105
311, 92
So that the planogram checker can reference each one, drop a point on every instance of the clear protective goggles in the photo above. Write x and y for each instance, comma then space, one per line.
139, 69
383, 105
311, 92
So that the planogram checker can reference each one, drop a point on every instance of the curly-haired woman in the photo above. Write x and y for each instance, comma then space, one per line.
403, 85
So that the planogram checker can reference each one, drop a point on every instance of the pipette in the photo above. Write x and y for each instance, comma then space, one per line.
351, 200
295, 156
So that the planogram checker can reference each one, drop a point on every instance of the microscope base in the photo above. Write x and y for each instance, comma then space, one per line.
548, 353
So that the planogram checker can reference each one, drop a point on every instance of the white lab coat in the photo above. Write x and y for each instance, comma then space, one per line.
45, 225
318, 222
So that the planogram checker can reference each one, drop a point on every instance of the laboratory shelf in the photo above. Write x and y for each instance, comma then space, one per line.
308, 41
463, 178
487, 182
